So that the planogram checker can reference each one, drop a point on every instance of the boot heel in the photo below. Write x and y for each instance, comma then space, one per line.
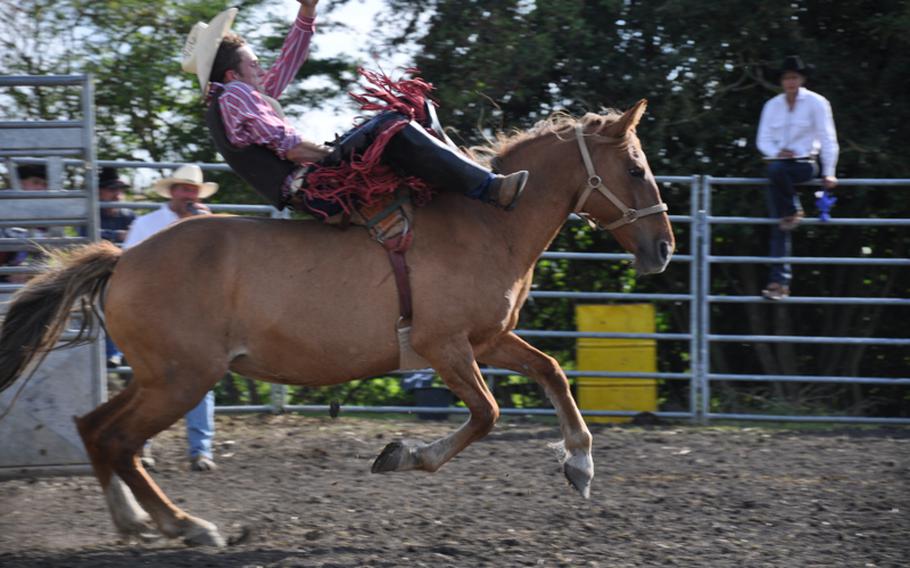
505, 190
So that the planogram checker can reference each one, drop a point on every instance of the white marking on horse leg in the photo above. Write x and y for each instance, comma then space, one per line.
577, 466
129, 517
579, 470
200, 532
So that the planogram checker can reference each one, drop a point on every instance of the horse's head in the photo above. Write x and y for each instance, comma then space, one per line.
620, 193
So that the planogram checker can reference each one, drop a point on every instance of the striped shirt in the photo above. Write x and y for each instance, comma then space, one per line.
249, 117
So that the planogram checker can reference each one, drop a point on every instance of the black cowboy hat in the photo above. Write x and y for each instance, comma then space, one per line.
108, 179
795, 64
26, 171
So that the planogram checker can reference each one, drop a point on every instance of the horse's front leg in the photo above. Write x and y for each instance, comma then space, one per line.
511, 352
456, 365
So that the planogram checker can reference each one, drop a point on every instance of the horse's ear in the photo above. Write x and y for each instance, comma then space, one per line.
630, 119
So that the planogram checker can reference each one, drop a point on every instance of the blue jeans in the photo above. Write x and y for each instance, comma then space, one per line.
110, 350
783, 202
200, 427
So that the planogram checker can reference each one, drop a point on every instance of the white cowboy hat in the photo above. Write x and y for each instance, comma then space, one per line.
190, 174
202, 45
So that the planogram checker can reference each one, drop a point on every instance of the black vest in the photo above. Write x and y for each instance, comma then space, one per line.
257, 165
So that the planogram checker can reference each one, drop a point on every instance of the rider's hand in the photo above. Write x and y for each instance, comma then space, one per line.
308, 8
785, 154
830, 182
306, 152
196, 208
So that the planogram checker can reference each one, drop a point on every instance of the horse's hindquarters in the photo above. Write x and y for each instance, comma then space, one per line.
290, 302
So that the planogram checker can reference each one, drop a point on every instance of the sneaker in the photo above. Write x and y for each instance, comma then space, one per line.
202, 463
790, 222
505, 190
776, 291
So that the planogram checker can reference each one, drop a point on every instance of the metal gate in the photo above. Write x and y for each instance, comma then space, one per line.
38, 434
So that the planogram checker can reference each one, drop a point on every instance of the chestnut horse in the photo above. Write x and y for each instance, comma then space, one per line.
301, 303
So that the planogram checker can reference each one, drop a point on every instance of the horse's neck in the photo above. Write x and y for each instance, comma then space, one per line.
548, 198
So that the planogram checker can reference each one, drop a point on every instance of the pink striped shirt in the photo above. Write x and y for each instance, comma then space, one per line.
248, 117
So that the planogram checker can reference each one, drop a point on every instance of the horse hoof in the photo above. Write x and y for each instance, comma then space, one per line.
141, 533
389, 459
203, 533
579, 470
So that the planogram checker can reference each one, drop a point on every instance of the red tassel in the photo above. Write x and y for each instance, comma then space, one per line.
366, 177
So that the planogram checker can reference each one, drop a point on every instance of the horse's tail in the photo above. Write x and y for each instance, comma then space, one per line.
38, 312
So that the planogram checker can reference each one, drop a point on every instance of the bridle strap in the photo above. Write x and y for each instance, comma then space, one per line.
595, 182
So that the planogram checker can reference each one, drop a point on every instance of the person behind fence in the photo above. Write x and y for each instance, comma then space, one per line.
115, 223
183, 190
795, 131
32, 177
249, 129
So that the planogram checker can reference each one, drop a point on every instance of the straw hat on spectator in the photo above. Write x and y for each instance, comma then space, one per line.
202, 45
190, 174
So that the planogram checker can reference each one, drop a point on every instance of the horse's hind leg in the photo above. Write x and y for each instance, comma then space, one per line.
129, 518
114, 435
511, 352
458, 369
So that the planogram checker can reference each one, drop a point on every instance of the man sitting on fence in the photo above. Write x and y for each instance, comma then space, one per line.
795, 127
250, 130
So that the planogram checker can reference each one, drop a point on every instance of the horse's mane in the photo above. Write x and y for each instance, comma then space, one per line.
559, 123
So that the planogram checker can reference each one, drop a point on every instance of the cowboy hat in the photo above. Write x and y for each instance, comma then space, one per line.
202, 45
190, 174
794, 63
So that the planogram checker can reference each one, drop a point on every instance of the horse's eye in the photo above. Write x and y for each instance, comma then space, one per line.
636, 172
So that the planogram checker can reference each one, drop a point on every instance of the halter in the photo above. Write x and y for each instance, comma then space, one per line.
595, 182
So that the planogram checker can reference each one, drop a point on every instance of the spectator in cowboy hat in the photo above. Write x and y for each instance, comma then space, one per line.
183, 189
795, 129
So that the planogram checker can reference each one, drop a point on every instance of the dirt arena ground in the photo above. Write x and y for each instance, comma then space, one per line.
294, 491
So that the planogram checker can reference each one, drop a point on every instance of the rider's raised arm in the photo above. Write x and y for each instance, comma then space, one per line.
294, 52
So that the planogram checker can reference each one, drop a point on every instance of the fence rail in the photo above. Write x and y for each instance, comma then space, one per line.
706, 299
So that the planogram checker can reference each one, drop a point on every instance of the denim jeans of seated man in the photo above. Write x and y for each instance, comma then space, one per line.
783, 201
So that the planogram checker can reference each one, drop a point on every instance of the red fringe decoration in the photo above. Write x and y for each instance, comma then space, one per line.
365, 178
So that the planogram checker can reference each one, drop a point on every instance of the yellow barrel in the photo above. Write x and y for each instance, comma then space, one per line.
595, 354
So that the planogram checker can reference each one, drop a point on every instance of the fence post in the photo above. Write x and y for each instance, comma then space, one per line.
704, 308
696, 300
279, 393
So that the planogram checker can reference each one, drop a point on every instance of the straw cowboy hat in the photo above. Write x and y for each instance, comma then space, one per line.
202, 45
190, 174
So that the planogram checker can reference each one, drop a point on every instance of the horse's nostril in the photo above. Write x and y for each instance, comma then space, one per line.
664, 250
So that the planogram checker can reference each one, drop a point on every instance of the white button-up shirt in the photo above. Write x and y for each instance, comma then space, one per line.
147, 225
807, 130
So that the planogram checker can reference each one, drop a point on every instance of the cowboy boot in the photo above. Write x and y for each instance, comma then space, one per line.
415, 152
